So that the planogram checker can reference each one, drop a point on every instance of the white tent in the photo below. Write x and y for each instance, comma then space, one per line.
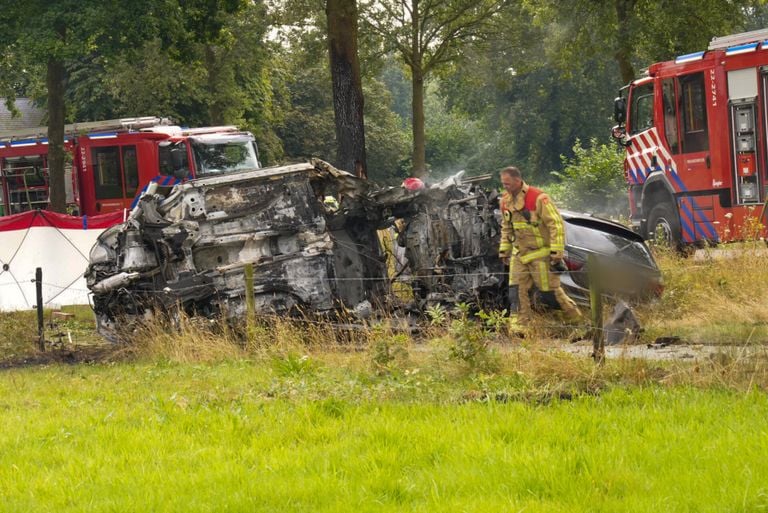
56, 243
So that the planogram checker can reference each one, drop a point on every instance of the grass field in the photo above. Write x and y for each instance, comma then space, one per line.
712, 300
256, 436
305, 417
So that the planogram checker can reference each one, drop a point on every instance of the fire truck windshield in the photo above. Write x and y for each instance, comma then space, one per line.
216, 154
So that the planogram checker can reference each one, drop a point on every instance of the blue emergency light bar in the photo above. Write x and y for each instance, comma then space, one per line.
730, 51
737, 50
20, 143
690, 57
27, 142
103, 135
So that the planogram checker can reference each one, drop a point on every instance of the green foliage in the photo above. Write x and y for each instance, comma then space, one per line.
387, 142
293, 364
638, 32
470, 343
307, 125
19, 76
495, 320
592, 180
428, 36
387, 351
199, 62
437, 38
393, 74
518, 87
307, 128
452, 136
196, 81
531, 108
230, 76
549, 76
83, 34
169, 87
437, 314
667, 31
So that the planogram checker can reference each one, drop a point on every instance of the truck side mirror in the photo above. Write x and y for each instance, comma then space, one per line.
619, 110
619, 134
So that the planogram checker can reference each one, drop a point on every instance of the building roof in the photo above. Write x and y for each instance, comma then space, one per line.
30, 115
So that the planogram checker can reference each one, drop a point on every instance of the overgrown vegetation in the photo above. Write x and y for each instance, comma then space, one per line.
469, 342
388, 351
592, 180
712, 297
716, 295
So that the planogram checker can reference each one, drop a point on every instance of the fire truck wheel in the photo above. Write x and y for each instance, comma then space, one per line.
664, 226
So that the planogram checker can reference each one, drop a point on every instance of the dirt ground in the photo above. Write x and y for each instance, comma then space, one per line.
69, 354
663, 350
657, 351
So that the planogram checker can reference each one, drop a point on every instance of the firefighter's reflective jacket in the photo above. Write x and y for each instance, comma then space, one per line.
531, 226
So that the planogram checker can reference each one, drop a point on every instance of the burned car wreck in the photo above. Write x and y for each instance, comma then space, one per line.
190, 250
313, 236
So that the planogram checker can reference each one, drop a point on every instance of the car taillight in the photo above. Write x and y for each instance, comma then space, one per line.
573, 265
657, 287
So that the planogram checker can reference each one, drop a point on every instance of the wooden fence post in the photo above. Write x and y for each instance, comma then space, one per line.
39, 298
596, 304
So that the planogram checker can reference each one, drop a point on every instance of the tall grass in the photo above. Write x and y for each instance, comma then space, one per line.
463, 350
707, 300
711, 299
182, 339
19, 331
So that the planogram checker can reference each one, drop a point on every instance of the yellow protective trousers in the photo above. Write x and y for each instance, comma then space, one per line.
537, 272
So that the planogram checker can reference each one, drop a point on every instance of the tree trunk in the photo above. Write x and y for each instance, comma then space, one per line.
347, 86
54, 80
419, 139
215, 110
417, 102
625, 39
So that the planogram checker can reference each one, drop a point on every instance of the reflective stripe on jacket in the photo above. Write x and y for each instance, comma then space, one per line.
534, 235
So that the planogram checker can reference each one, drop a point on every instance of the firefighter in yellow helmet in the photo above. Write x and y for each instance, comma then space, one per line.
532, 242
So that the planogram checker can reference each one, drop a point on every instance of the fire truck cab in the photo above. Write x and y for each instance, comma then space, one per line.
696, 136
111, 161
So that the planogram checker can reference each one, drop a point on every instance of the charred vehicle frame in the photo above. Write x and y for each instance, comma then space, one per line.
310, 233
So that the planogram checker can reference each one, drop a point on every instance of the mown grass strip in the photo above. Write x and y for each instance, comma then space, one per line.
241, 436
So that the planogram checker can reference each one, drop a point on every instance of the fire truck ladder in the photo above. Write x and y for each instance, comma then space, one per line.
83, 128
179, 131
719, 43
21, 193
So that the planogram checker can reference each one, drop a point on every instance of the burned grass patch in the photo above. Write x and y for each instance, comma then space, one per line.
72, 355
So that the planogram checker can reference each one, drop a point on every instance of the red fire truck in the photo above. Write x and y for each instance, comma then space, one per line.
110, 161
696, 140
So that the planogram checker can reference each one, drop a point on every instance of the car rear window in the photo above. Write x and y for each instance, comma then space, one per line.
607, 243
